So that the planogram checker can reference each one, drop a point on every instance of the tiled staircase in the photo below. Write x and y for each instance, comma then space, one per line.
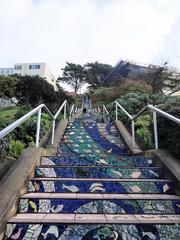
94, 190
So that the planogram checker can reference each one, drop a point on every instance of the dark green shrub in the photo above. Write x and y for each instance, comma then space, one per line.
4, 147
144, 131
16, 148
168, 131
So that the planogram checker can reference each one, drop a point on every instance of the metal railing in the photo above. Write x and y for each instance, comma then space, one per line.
105, 112
155, 110
37, 110
64, 105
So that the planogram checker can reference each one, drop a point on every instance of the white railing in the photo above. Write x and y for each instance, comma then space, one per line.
73, 110
37, 110
105, 112
64, 105
155, 110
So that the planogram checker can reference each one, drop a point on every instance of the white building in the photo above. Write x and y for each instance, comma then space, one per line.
6, 71
32, 69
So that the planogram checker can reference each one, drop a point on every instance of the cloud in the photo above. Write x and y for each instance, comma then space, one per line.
56, 31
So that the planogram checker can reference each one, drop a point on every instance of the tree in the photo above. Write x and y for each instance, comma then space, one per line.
96, 73
73, 75
34, 90
8, 86
163, 79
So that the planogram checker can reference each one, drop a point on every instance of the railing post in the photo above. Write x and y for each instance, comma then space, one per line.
155, 129
53, 130
103, 113
90, 104
116, 112
38, 128
65, 110
108, 119
133, 132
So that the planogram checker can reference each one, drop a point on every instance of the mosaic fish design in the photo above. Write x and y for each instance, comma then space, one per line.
93, 231
94, 150
114, 206
108, 187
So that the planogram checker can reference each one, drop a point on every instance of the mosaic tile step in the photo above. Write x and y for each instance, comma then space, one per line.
100, 206
102, 139
77, 142
127, 161
98, 172
105, 231
101, 185
111, 133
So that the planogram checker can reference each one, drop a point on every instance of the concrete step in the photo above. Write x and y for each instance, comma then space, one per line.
94, 218
98, 172
101, 196
101, 185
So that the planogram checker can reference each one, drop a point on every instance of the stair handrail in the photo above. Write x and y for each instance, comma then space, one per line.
21, 120
72, 111
154, 109
98, 109
38, 110
105, 112
64, 105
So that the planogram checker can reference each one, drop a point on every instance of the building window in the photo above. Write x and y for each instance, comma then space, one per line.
37, 66
18, 67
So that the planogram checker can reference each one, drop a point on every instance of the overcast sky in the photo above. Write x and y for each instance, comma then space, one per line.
81, 31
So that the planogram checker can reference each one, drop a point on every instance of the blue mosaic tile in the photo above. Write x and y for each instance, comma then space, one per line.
79, 161
88, 142
98, 206
98, 172
93, 132
101, 187
112, 130
93, 231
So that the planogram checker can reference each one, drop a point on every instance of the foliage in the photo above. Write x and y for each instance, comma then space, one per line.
25, 133
16, 148
8, 86
135, 86
33, 90
105, 94
22, 111
143, 130
134, 102
168, 131
163, 79
96, 73
9, 112
4, 147
4, 122
73, 75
